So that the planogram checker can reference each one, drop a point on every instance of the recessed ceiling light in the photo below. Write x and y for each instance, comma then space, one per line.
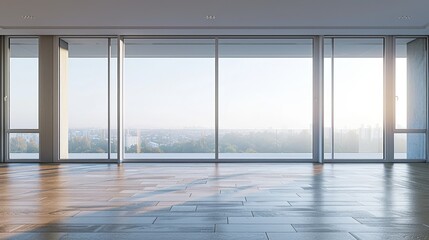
404, 17
210, 17
28, 17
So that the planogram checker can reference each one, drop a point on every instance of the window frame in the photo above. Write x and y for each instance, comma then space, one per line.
393, 87
57, 111
389, 128
6, 103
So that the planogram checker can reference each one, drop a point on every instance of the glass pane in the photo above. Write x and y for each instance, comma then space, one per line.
23, 146
24, 83
410, 146
327, 81
265, 98
113, 99
169, 98
84, 98
410, 83
358, 98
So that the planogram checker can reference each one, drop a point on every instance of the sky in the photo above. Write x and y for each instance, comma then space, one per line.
24, 93
358, 93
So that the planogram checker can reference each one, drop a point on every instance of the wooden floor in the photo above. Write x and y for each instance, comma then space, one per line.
214, 201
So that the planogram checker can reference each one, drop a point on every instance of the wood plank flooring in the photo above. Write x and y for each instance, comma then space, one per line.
214, 201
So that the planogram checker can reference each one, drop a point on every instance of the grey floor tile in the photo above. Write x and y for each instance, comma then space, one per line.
391, 236
292, 213
178, 228
166, 236
190, 220
254, 228
393, 220
310, 236
360, 228
166, 214
183, 208
326, 203
290, 220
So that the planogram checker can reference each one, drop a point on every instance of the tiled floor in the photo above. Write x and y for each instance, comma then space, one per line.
214, 201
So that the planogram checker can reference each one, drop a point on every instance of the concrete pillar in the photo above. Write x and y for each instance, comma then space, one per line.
416, 97
46, 98
63, 94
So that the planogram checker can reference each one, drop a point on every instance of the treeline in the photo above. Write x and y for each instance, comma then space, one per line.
202, 145
234, 142
266, 142
80, 144
20, 144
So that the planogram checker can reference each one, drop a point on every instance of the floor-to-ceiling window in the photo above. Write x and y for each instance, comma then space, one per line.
265, 98
254, 95
354, 98
169, 99
87, 98
410, 98
22, 99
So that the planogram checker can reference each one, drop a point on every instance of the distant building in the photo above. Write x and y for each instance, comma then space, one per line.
152, 144
131, 140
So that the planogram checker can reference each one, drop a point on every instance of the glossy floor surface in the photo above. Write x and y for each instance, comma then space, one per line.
214, 201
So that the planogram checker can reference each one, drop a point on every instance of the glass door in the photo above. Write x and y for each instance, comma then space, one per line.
410, 98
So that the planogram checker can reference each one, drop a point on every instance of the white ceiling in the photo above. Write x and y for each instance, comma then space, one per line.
299, 17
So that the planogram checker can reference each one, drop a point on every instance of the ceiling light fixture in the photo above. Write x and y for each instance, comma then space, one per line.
210, 17
404, 17
28, 17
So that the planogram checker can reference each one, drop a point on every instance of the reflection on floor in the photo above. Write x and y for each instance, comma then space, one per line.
214, 201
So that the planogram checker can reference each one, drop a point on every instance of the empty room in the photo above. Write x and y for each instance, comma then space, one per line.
214, 120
